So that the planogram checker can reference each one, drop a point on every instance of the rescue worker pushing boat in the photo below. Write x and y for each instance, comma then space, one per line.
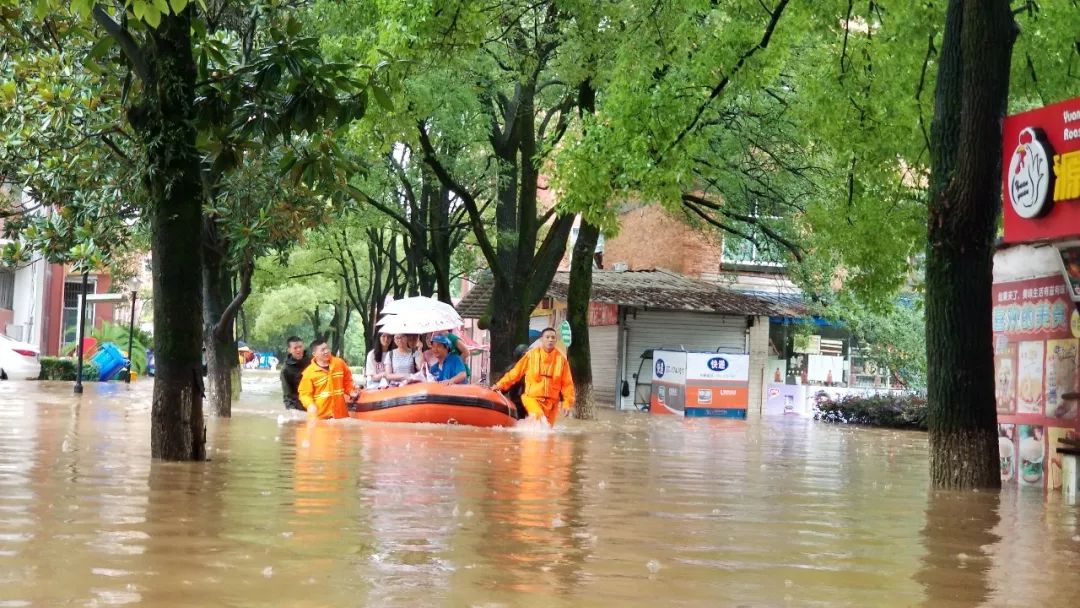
548, 383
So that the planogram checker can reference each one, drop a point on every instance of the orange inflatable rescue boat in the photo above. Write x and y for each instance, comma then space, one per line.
467, 404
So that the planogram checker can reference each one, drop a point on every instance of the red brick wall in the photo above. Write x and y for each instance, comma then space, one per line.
54, 306
649, 237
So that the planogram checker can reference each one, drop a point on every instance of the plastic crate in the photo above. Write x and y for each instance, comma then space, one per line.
109, 361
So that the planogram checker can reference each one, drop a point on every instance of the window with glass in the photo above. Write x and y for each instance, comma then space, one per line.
70, 321
7, 289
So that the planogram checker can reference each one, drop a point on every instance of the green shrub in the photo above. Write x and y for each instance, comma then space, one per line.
63, 368
894, 411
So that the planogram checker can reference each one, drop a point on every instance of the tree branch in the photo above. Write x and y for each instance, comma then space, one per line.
551, 250
788, 244
690, 207
475, 218
229, 314
390, 211
847, 33
127, 43
930, 52
774, 18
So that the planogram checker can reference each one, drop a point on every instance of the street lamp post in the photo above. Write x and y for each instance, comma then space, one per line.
131, 337
82, 331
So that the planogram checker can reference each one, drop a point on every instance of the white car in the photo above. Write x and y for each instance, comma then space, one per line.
18, 360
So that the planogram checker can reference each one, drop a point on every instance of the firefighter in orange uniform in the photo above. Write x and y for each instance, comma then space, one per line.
547, 379
326, 387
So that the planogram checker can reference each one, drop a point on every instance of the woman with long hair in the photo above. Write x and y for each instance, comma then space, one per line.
378, 357
404, 362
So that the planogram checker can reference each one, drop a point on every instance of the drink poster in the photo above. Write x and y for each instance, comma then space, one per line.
1036, 377
1061, 375
1007, 452
1031, 378
1005, 372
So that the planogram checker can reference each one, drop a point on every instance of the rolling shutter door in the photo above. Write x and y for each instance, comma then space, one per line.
679, 330
603, 348
540, 323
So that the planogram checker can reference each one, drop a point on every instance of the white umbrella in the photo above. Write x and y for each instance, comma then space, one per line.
414, 324
418, 304
425, 316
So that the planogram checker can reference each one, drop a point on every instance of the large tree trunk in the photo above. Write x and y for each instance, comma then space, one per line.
437, 199
577, 313
965, 199
340, 322
222, 362
165, 122
509, 327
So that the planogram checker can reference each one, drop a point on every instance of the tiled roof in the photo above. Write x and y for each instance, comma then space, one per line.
655, 289
792, 303
473, 305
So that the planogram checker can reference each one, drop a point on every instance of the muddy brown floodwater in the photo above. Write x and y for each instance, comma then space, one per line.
630, 510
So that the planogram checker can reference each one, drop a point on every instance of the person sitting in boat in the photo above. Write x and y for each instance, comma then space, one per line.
426, 354
405, 364
377, 359
326, 388
449, 368
548, 382
459, 348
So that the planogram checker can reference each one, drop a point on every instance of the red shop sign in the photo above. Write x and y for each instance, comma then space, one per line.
1041, 173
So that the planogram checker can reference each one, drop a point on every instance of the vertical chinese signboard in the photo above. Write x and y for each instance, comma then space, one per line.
1036, 340
1041, 173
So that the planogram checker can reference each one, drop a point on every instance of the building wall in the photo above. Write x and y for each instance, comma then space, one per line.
759, 358
24, 319
650, 237
54, 306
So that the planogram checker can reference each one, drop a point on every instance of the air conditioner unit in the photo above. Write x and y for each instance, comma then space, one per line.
17, 331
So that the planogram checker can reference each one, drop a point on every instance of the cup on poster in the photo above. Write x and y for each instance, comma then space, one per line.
1005, 373
1007, 452
1031, 452
1029, 395
1061, 362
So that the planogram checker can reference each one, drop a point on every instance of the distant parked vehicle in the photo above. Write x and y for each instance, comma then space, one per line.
18, 360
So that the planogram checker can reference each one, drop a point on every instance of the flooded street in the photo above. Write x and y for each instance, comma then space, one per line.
628, 511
